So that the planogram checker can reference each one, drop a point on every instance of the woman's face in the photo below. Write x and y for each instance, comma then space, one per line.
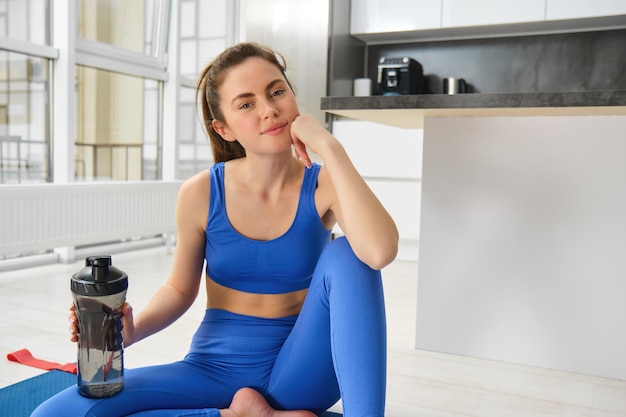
258, 107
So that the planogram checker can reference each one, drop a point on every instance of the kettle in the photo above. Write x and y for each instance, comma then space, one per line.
98, 293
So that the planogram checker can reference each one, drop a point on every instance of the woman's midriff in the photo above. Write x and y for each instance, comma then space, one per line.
259, 305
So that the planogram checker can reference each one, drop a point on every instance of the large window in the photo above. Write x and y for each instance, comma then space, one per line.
23, 118
117, 125
120, 71
24, 143
111, 93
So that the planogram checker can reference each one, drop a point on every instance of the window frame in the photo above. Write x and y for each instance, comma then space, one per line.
27, 48
107, 57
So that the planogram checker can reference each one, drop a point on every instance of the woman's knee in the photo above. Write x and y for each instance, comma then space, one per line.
338, 255
339, 261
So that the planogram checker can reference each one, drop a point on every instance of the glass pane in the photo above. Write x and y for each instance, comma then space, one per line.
194, 149
202, 39
151, 148
23, 119
117, 127
188, 17
216, 25
188, 55
25, 20
126, 24
209, 49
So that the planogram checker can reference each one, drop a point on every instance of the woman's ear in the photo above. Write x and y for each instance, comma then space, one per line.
223, 130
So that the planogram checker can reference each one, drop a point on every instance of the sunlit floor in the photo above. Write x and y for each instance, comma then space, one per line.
34, 303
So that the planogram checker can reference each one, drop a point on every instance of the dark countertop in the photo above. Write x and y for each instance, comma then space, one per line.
410, 110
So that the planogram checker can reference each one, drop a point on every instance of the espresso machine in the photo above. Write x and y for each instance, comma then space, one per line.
399, 76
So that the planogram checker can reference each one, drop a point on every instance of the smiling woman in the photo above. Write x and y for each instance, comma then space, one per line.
260, 219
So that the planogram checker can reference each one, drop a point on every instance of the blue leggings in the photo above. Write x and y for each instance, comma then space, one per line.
335, 347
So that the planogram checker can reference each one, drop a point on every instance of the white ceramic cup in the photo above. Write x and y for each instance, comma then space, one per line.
362, 87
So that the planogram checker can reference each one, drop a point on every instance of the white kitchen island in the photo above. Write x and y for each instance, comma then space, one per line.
522, 246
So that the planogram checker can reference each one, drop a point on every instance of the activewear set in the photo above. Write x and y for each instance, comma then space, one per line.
335, 347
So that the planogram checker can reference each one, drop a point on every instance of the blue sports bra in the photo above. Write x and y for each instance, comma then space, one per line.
275, 266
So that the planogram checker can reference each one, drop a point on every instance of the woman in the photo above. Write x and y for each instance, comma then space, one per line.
293, 321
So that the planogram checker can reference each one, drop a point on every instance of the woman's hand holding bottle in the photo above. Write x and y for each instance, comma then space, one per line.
127, 320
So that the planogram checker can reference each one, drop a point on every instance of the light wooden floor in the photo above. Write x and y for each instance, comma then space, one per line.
33, 314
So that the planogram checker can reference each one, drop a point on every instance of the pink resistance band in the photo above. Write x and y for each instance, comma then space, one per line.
24, 357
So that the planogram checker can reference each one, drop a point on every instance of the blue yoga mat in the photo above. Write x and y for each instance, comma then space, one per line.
19, 400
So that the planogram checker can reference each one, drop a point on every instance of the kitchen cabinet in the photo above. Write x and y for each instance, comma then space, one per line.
381, 151
393, 21
489, 12
384, 16
567, 9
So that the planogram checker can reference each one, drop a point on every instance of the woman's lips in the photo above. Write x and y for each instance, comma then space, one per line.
275, 129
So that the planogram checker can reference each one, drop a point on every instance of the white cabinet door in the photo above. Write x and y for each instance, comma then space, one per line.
390, 160
383, 16
568, 9
402, 202
381, 151
490, 12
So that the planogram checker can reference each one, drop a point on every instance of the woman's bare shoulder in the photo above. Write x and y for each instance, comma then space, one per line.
193, 196
197, 184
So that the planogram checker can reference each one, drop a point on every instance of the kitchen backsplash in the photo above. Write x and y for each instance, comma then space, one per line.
583, 61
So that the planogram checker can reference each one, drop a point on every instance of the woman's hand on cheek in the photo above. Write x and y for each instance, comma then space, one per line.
307, 132
301, 152
297, 127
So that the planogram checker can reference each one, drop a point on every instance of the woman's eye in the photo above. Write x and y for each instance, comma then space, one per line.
276, 93
245, 106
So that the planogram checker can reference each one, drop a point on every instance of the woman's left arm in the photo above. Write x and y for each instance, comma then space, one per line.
368, 227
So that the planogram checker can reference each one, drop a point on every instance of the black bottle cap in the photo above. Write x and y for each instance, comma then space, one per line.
99, 278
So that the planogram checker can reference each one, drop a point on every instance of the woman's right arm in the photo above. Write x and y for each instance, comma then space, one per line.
181, 289
179, 292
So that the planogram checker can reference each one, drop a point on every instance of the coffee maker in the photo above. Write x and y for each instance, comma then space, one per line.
399, 76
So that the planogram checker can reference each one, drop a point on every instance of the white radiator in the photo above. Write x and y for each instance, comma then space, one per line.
47, 216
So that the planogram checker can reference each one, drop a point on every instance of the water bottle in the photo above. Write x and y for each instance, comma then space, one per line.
98, 292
